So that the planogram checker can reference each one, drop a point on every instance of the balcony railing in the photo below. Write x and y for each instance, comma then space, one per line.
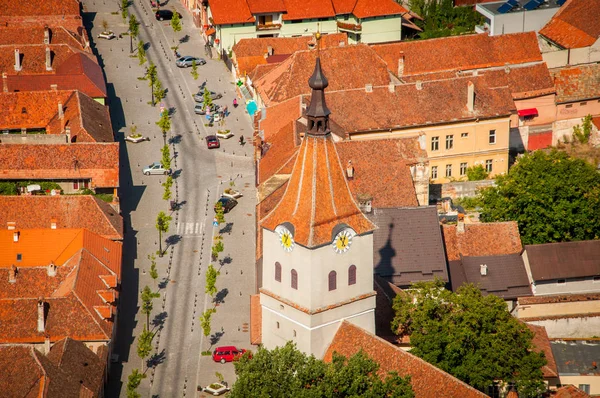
268, 26
349, 26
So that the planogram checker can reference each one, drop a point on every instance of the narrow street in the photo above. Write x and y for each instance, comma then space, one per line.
176, 365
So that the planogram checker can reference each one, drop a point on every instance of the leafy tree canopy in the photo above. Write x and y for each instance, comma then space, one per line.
553, 198
286, 372
472, 337
477, 173
441, 18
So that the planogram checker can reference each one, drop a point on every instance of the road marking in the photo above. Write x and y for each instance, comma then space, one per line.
190, 228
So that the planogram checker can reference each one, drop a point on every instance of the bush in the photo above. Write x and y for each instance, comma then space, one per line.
8, 188
477, 173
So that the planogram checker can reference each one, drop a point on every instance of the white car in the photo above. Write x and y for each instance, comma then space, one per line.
106, 35
136, 138
156, 168
225, 134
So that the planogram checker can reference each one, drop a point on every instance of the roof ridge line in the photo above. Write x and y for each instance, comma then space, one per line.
90, 313
97, 203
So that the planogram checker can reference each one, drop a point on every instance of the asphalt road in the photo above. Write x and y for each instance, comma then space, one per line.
176, 367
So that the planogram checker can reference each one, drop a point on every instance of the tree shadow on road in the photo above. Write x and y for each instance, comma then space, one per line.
159, 319
176, 139
224, 261
172, 241
163, 284
220, 296
216, 337
227, 228
156, 359
176, 174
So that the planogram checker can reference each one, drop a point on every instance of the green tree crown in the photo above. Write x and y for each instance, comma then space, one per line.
162, 222
211, 280
176, 22
164, 122
476, 173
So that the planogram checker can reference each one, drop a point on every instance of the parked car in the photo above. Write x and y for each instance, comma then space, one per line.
227, 203
199, 96
212, 141
156, 168
106, 35
162, 15
199, 108
187, 60
226, 134
227, 354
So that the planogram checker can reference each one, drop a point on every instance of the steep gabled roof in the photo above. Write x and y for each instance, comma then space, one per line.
575, 25
427, 381
577, 83
230, 12
43, 8
562, 260
20, 34
308, 9
541, 343
482, 239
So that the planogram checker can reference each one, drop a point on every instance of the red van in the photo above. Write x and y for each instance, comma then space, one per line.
227, 353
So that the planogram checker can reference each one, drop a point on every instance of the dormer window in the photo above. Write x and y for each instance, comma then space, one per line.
23, 110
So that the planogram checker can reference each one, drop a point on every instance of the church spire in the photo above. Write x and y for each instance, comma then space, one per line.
317, 112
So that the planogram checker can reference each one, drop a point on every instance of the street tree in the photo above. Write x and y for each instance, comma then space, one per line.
133, 382
147, 304
207, 98
141, 53
176, 22
105, 26
153, 270
219, 213
162, 225
582, 133
134, 31
167, 185
164, 123
217, 247
553, 198
211, 280
165, 159
159, 91
152, 77
194, 70
144, 345
124, 12
287, 372
205, 320
463, 332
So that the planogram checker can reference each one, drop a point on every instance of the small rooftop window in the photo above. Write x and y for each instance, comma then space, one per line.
23, 110
19, 257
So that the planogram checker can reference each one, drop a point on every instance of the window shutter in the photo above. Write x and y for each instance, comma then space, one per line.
332, 281
294, 279
278, 272
352, 275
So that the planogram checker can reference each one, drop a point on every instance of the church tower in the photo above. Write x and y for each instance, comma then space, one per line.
317, 246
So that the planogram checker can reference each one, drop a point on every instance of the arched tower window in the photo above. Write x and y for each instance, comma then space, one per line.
332, 280
278, 272
352, 275
294, 279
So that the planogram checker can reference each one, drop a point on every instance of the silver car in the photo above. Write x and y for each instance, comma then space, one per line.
187, 61
199, 96
156, 168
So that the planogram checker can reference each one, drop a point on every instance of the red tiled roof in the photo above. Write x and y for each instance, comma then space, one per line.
541, 343
463, 52
427, 381
317, 198
570, 391
376, 8
343, 6
407, 106
289, 78
46, 7
484, 239
266, 6
34, 34
577, 83
307, 9
575, 25
282, 148
230, 12
96, 161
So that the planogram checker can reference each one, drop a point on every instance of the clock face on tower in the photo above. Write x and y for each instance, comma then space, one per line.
343, 240
286, 238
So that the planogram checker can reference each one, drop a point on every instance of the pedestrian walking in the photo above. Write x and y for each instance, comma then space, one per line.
225, 111
235, 103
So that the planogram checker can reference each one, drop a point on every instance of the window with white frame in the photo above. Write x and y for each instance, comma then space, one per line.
434, 172
463, 169
448, 170
435, 143
488, 165
449, 141
492, 137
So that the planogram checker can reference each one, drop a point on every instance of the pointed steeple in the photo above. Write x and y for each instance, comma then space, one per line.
317, 112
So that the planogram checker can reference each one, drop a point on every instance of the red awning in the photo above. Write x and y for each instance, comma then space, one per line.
528, 112
211, 31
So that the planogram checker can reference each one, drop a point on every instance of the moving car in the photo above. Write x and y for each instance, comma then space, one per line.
199, 96
187, 60
227, 203
156, 168
162, 15
212, 141
227, 354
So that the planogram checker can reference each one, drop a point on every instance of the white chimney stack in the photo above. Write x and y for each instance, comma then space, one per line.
460, 224
41, 322
16, 236
53, 223
470, 96
61, 113
12, 274
17, 60
401, 64
46, 35
52, 270
483, 269
48, 59
11, 225
391, 87
350, 170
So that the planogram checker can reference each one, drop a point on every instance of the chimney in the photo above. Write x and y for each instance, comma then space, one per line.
483, 269
460, 225
52, 269
11, 225
270, 50
419, 85
48, 59
54, 87
350, 170
4, 82
41, 322
46, 35
401, 64
16, 236
17, 60
46, 343
12, 274
53, 223
369, 88
391, 87
470, 96
61, 113
68, 133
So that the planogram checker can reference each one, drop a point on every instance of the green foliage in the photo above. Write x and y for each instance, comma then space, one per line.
162, 225
153, 270
442, 19
582, 133
141, 52
152, 76
468, 203
211, 280
147, 305
134, 26
194, 70
8, 188
167, 185
553, 198
207, 98
176, 22
471, 336
287, 372
133, 382
205, 320
45, 185
144, 346
219, 213
477, 173
159, 92
164, 122
165, 159
217, 247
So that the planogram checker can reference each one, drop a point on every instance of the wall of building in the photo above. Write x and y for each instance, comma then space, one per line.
592, 381
556, 57
516, 22
228, 35
465, 189
570, 286
307, 27
570, 115
566, 309
473, 149
546, 110
381, 29
579, 327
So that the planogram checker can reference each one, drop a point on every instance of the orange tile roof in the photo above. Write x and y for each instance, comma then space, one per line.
307, 9
230, 12
265, 6
377, 8
282, 147
46, 7
463, 52
427, 381
96, 161
279, 115
484, 239
289, 78
317, 198
38, 247
408, 106
541, 343
342, 7
577, 83
575, 25
569, 391
34, 34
